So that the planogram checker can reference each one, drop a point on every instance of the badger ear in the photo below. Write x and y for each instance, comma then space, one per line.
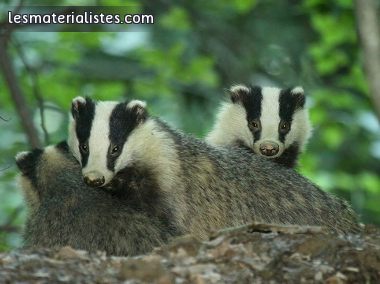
77, 105
27, 161
299, 95
138, 108
237, 92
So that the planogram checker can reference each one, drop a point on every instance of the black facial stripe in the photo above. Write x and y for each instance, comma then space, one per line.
252, 103
84, 120
282, 135
122, 122
289, 103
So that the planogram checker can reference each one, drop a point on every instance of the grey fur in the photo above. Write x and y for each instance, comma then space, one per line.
225, 187
63, 211
214, 187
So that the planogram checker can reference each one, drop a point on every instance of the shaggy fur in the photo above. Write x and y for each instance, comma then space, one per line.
63, 210
206, 187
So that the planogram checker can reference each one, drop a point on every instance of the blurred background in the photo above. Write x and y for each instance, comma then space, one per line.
181, 65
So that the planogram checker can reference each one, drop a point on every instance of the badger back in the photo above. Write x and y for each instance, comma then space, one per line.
271, 122
98, 134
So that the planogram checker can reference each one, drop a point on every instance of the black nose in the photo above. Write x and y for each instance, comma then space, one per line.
269, 148
94, 182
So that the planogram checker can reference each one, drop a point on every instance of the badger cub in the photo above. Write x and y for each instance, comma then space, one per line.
62, 210
270, 122
202, 188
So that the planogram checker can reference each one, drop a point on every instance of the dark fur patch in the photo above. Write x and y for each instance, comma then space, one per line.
237, 95
28, 165
83, 113
123, 121
70, 213
63, 146
289, 103
289, 157
138, 187
251, 101
242, 145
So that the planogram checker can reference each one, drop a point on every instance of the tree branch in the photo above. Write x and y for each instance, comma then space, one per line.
5, 169
36, 88
367, 21
6, 26
9, 229
5, 119
17, 95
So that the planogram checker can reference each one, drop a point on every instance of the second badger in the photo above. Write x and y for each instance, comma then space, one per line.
207, 187
269, 122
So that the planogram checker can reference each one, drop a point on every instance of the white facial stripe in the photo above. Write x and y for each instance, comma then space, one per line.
301, 129
136, 145
231, 126
99, 141
72, 140
270, 114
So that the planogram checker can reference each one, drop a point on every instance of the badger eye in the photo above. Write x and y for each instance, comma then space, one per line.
284, 126
115, 150
255, 124
84, 147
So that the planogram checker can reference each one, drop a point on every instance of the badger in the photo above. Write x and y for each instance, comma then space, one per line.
208, 187
269, 122
62, 210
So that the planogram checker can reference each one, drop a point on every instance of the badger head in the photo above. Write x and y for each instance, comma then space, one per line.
274, 118
98, 133
39, 170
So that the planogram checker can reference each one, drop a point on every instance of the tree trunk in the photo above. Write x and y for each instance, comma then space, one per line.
367, 21
17, 95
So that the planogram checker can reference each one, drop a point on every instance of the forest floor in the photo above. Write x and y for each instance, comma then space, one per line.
256, 253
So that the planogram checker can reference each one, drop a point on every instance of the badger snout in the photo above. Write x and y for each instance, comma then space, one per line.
268, 148
94, 179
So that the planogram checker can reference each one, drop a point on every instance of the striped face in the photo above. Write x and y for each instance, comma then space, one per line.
98, 134
276, 119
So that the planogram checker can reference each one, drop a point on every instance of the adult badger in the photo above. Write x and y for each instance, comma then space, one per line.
208, 187
62, 210
270, 122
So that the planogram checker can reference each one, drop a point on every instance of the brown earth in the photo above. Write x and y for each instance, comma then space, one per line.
256, 253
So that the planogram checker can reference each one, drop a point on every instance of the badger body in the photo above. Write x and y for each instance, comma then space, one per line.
62, 210
269, 122
206, 187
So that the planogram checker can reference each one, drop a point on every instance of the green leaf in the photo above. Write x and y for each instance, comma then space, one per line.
177, 19
345, 181
369, 182
332, 136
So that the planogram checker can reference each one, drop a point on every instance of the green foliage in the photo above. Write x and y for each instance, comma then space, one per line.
176, 19
346, 164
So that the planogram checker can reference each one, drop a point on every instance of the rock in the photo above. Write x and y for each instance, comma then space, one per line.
150, 272
183, 246
69, 253
256, 253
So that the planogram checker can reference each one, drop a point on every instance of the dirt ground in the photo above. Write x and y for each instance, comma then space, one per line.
256, 253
